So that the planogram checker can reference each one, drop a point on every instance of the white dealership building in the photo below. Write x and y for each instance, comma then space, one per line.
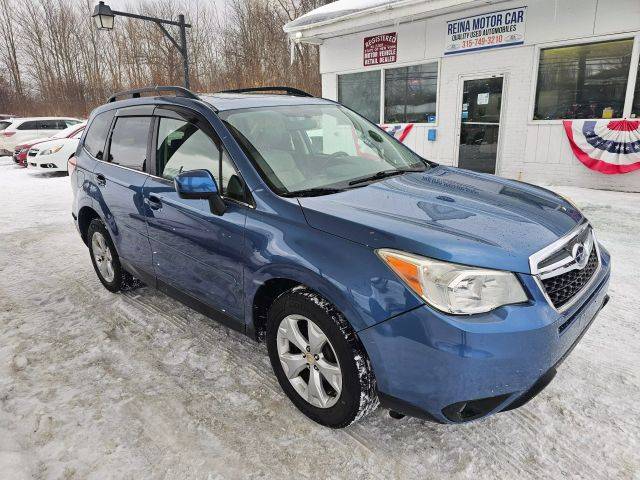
486, 84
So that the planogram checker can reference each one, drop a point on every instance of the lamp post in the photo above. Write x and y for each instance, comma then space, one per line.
103, 18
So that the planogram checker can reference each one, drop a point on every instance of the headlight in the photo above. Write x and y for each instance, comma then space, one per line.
453, 288
51, 150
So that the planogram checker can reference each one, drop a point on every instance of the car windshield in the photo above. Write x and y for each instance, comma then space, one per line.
317, 149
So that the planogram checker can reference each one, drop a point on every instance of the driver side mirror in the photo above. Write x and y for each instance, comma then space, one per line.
200, 185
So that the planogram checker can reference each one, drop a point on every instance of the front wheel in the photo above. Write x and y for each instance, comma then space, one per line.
318, 360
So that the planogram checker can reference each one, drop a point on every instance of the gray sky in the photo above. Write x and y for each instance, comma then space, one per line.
123, 4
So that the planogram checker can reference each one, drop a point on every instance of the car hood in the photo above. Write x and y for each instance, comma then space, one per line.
448, 214
32, 143
52, 142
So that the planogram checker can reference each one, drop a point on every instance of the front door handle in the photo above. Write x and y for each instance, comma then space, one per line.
154, 202
101, 180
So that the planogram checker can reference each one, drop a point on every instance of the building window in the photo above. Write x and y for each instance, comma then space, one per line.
361, 93
410, 94
583, 81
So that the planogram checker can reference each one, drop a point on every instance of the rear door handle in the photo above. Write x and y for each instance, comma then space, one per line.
101, 180
154, 202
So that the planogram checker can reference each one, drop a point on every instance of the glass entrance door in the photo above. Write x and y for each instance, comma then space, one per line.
481, 103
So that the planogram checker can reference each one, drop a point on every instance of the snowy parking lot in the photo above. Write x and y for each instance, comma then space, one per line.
135, 385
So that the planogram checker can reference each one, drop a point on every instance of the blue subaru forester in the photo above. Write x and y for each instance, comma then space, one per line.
373, 275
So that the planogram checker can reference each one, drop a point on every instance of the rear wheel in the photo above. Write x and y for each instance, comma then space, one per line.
105, 259
318, 360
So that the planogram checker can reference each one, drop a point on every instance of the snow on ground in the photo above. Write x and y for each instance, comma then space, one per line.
135, 385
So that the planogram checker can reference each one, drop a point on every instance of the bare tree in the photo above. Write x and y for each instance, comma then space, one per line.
9, 50
66, 66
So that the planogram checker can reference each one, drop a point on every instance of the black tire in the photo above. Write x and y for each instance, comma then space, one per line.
358, 396
122, 280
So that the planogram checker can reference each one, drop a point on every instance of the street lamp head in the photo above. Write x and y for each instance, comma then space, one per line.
103, 16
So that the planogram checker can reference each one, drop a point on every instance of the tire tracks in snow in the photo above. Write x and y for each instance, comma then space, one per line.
210, 336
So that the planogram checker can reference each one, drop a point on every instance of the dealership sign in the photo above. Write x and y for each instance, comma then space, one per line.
381, 49
489, 30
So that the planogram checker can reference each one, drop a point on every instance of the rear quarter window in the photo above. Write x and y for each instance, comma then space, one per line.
96, 138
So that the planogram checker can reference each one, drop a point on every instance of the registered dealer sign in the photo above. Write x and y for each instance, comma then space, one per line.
489, 30
381, 49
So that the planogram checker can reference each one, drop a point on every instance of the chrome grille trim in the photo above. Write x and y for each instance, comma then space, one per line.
546, 252
564, 265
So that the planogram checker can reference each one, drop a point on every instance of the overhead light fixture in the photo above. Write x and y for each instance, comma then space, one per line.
103, 16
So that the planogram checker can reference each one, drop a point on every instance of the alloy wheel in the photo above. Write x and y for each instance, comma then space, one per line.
102, 256
309, 361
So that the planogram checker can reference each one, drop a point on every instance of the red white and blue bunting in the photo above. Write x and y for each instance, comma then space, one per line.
606, 146
400, 132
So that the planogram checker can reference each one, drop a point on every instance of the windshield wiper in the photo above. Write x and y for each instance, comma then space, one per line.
384, 174
312, 192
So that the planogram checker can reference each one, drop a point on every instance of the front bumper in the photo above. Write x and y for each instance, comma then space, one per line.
450, 370
37, 163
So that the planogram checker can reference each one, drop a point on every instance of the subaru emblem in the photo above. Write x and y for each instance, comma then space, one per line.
579, 255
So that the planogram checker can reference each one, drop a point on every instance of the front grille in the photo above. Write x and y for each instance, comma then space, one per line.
562, 288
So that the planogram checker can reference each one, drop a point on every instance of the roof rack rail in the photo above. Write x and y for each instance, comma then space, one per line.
135, 93
288, 90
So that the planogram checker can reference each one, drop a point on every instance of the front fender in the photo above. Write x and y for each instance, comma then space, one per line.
303, 276
349, 275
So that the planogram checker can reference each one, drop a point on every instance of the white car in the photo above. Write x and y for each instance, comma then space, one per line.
53, 154
24, 130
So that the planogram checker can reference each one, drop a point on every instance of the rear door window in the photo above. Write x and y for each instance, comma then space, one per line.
96, 138
128, 147
48, 125
4, 125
